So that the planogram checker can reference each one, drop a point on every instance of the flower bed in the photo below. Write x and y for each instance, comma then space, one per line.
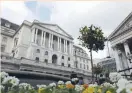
11, 85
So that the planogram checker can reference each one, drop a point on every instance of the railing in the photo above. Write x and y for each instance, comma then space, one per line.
43, 64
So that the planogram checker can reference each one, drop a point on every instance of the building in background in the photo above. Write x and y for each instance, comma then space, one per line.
8, 41
81, 59
42, 42
121, 43
108, 65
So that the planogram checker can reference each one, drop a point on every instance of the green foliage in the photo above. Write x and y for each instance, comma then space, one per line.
97, 69
92, 38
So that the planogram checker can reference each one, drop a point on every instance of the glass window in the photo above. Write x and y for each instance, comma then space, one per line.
69, 65
84, 66
38, 51
37, 59
62, 57
62, 64
68, 58
80, 65
46, 52
46, 60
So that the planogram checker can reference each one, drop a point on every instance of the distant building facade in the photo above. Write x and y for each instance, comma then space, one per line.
108, 65
121, 43
81, 59
46, 43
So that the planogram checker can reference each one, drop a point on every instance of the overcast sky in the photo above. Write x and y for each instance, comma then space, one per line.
70, 15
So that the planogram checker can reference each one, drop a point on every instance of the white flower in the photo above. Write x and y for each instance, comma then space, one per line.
11, 80
41, 86
3, 75
52, 84
68, 82
107, 84
25, 86
114, 76
60, 82
129, 87
74, 79
121, 84
78, 88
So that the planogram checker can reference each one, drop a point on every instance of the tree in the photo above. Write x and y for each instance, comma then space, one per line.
97, 70
92, 38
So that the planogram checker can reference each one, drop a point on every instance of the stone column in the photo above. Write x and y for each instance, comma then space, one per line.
42, 38
58, 43
117, 58
33, 35
69, 47
126, 47
66, 46
36, 35
49, 39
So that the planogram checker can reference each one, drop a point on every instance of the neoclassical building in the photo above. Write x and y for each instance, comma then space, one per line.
121, 43
42, 42
81, 59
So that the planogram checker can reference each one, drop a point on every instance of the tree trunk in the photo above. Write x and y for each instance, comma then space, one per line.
92, 65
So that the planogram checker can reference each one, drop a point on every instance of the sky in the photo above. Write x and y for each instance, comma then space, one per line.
70, 15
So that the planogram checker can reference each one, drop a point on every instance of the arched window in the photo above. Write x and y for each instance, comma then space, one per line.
37, 59
62, 57
62, 64
37, 51
46, 60
46, 52
69, 65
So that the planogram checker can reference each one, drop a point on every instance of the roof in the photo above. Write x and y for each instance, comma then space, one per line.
13, 26
53, 27
121, 28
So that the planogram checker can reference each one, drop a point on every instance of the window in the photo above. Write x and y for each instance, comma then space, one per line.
84, 66
62, 64
75, 52
7, 24
46, 52
69, 65
80, 65
2, 48
4, 39
38, 51
68, 58
62, 57
46, 60
15, 41
37, 59
87, 67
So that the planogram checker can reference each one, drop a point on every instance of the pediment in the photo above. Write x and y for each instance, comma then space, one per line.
55, 28
125, 24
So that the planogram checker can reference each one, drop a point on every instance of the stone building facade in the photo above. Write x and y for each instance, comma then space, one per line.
121, 43
108, 65
46, 43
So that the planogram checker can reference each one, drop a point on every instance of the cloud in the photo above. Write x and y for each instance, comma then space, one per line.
16, 11
70, 15
73, 15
